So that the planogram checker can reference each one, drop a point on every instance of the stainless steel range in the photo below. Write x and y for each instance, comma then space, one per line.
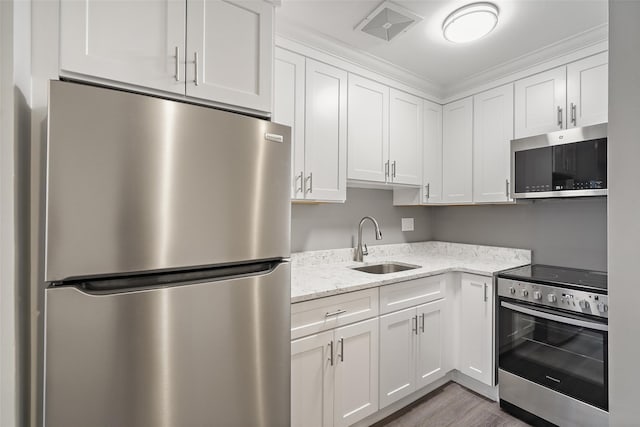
552, 344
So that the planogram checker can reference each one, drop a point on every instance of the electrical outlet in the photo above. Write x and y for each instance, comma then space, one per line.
407, 224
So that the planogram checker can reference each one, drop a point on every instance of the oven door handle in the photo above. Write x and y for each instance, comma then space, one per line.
555, 317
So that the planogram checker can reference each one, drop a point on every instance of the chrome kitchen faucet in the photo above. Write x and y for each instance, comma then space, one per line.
359, 252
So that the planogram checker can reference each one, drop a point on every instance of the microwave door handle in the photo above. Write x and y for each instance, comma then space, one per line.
556, 318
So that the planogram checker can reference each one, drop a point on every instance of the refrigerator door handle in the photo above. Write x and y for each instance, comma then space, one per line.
163, 280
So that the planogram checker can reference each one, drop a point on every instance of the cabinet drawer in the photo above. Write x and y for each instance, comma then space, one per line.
411, 293
310, 317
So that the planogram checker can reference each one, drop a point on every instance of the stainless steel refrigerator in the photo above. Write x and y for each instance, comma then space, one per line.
167, 282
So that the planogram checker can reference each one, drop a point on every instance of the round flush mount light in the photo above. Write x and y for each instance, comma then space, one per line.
470, 22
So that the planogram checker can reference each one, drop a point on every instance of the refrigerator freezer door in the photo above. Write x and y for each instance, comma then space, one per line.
207, 354
136, 183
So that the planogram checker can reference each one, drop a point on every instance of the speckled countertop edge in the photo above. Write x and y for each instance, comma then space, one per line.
320, 274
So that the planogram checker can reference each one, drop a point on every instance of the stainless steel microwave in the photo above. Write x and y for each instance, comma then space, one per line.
567, 163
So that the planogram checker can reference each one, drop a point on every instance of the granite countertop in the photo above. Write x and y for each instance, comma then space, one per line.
319, 274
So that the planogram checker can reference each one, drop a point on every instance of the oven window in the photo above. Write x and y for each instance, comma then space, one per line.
569, 359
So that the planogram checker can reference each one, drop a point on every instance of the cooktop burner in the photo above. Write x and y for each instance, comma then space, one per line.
560, 276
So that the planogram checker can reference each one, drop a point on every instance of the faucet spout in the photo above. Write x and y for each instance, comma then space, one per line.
360, 253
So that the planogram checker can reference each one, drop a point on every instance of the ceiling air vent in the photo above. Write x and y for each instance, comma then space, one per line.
388, 20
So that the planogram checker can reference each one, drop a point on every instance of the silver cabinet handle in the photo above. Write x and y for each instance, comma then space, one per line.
393, 169
573, 114
507, 187
195, 61
310, 179
485, 292
428, 191
560, 117
422, 323
331, 353
386, 170
414, 322
177, 57
341, 355
301, 178
335, 313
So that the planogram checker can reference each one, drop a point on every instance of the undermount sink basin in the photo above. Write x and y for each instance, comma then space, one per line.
385, 267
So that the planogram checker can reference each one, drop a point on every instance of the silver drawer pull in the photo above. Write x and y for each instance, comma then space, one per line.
552, 379
335, 313
273, 137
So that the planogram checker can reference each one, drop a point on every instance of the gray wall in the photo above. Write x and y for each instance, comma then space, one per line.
567, 232
330, 226
624, 212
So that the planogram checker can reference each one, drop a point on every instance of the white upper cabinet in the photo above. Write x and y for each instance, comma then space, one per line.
162, 45
492, 135
457, 156
325, 133
588, 91
368, 134
405, 138
476, 328
540, 103
138, 42
288, 109
432, 170
230, 44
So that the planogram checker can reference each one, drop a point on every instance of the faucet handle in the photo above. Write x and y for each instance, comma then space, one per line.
366, 250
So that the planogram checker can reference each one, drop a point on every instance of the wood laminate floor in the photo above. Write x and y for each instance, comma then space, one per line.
452, 405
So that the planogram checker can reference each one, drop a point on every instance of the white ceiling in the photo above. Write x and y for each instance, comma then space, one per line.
525, 27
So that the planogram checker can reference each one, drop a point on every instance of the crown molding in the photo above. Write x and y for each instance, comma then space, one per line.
297, 38
302, 36
581, 45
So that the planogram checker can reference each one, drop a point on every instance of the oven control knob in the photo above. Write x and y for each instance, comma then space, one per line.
552, 298
602, 307
584, 304
524, 293
512, 290
537, 295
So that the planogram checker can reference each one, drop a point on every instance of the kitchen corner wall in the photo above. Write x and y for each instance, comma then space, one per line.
566, 232
332, 226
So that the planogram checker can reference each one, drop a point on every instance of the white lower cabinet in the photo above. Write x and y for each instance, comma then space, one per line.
476, 328
334, 376
312, 381
411, 350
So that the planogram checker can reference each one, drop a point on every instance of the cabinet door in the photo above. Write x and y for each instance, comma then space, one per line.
405, 138
230, 52
540, 103
432, 171
430, 352
137, 42
368, 134
325, 132
397, 355
492, 135
356, 373
289, 110
588, 91
312, 381
457, 154
476, 323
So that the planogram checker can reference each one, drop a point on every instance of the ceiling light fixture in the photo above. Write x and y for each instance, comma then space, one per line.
470, 22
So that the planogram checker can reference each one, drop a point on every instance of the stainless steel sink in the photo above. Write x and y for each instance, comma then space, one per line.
386, 267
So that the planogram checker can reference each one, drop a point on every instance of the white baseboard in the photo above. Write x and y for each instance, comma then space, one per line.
454, 375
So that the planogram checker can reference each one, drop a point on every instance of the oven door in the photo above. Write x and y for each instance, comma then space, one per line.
561, 351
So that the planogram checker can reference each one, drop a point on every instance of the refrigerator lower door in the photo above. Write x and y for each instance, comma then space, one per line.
205, 354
